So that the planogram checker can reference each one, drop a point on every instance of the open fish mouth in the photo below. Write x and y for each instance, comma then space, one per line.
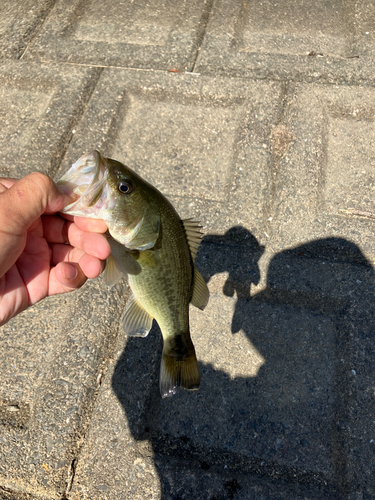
88, 179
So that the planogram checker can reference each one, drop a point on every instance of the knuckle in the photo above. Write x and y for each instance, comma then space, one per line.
41, 180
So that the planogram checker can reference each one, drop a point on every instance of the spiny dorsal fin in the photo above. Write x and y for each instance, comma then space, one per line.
200, 291
193, 234
136, 322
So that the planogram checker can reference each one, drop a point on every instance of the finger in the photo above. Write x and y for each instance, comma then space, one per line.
74, 275
59, 230
64, 253
69, 275
28, 199
55, 229
90, 265
7, 182
67, 216
91, 225
95, 244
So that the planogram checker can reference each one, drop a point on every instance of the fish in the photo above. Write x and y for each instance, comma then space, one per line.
154, 249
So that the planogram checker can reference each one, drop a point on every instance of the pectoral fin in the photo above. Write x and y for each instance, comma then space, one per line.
123, 258
112, 273
120, 262
148, 233
136, 322
201, 293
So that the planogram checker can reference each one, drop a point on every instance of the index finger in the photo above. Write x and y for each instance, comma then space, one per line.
7, 182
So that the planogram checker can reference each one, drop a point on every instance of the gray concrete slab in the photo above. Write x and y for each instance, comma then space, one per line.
191, 137
323, 41
160, 35
277, 391
274, 396
286, 390
123, 458
270, 167
327, 169
39, 105
51, 357
19, 22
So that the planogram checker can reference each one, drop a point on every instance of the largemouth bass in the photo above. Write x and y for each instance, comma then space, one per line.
154, 249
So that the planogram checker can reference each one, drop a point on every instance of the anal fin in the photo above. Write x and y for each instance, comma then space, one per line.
136, 322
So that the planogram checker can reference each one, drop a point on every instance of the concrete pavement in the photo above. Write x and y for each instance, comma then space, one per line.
257, 118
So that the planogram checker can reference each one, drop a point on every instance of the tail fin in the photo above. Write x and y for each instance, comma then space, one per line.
178, 371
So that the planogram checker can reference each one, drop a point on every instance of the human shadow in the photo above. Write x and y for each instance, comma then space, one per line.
290, 422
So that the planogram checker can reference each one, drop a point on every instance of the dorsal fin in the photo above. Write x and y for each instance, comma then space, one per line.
193, 234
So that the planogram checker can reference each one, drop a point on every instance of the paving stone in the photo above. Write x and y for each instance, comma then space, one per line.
283, 376
129, 34
274, 389
328, 168
203, 142
331, 42
271, 168
112, 463
19, 21
50, 359
52, 353
120, 457
40, 105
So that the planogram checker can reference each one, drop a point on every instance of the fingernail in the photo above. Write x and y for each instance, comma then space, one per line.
69, 272
64, 189
67, 190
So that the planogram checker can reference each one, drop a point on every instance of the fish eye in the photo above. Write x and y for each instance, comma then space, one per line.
125, 187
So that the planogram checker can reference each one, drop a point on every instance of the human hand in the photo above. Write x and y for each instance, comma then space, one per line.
42, 253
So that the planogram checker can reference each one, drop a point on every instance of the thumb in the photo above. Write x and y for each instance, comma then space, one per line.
20, 207
24, 202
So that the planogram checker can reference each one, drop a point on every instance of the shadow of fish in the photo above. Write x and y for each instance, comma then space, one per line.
154, 249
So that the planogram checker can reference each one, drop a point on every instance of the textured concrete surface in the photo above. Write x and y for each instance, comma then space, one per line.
288, 40
152, 34
50, 361
40, 106
19, 21
264, 131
